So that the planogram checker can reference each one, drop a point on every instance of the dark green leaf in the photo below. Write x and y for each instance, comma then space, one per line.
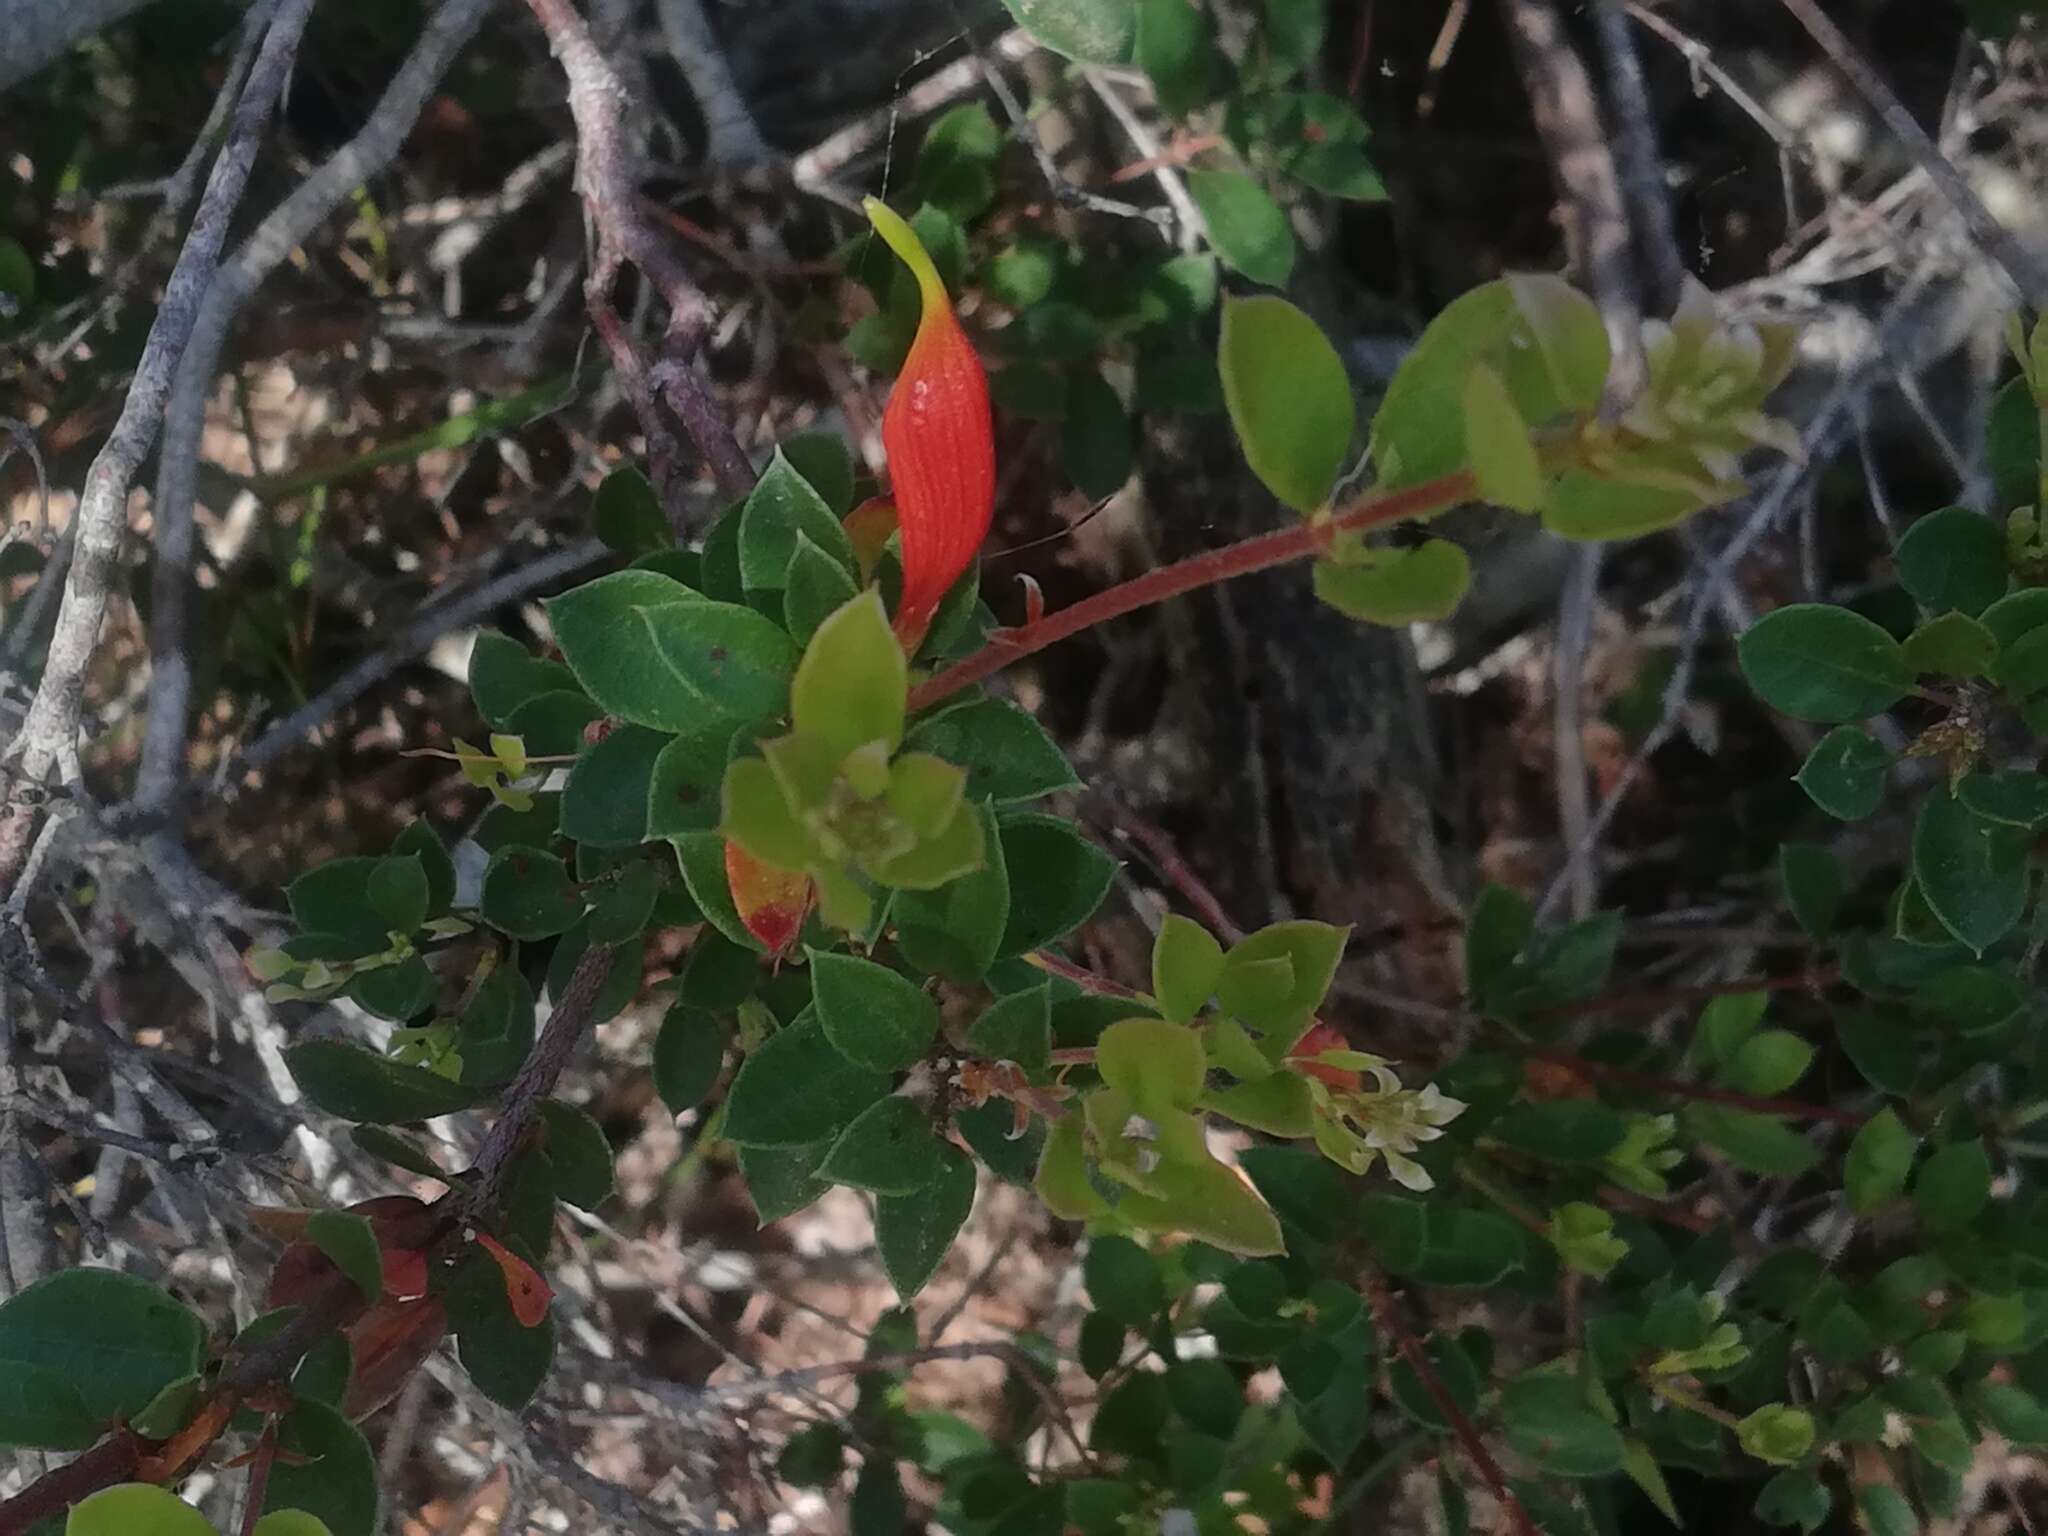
1057, 880
2013, 799
1548, 1421
1812, 877
603, 637
580, 1153
783, 1180
627, 514
1016, 1028
688, 1054
84, 1347
1972, 872
1844, 773
1756, 1142
822, 458
889, 1149
782, 508
1176, 53
1008, 755
873, 1017
1813, 661
1878, 1161
1090, 31
1565, 1131
957, 930
1123, 1281
795, 1089
734, 663
503, 676
505, 1359
1095, 436
1953, 559
605, 801
913, 1232
351, 1246
328, 1471
527, 893
358, 1084
1953, 1186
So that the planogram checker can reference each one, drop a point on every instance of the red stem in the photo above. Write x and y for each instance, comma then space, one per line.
1387, 1315
112, 1461
1650, 1082
1189, 575
259, 1477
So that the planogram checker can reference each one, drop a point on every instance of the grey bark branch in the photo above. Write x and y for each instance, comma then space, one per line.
38, 31
2026, 267
288, 226
49, 735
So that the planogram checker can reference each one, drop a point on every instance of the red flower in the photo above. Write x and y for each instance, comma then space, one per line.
940, 442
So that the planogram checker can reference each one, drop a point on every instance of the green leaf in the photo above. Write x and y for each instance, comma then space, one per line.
1880, 1049
1777, 1433
874, 1017
701, 856
813, 1457
688, 1055
1768, 1062
1294, 31
83, 1347
1794, 1497
1187, 962
956, 930
683, 790
323, 1374
889, 1149
17, 277
795, 1089
1953, 1186
1953, 559
1441, 1244
1062, 1183
731, 661
783, 1180
1288, 395
1954, 645
580, 1153
1312, 951
605, 801
1562, 1131
292, 1522
851, 684
2014, 1412
1207, 1201
627, 514
329, 899
1030, 390
1812, 877
1971, 871
913, 1232
783, 508
503, 676
1885, 1511
527, 893
2013, 799
1547, 1420
1057, 879
1089, 31
357, 1084
719, 975
1454, 1371
1016, 1028
1095, 435
1879, 1158
1008, 756
1813, 661
1280, 1104
1418, 585
818, 587
1844, 774
624, 905
1159, 1065
136, 1509
1756, 1142
349, 1243
822, 458
1246, 226
1175, 51
398, 893
505, 1359
1497, 444
1544, 338
603, 638
328, 1470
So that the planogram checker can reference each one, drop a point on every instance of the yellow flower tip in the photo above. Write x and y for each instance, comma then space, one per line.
897, 234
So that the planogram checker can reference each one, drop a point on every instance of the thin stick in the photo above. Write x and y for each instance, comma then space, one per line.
49, 736
1651, 1082
2026, 268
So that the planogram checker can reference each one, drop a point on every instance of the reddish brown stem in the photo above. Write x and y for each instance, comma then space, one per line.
259, 1478
1650, 1082
1079, 975
1197, 571
112, 1461
1386, 1314
1656, 1000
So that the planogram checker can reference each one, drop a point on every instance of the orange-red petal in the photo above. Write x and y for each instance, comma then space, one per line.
1322, 1037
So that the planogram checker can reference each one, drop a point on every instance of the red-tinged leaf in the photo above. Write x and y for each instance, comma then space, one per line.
1322, 1037
770, 901
869, 527
405, 1272
388, 1343
524, 1287
940, 440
